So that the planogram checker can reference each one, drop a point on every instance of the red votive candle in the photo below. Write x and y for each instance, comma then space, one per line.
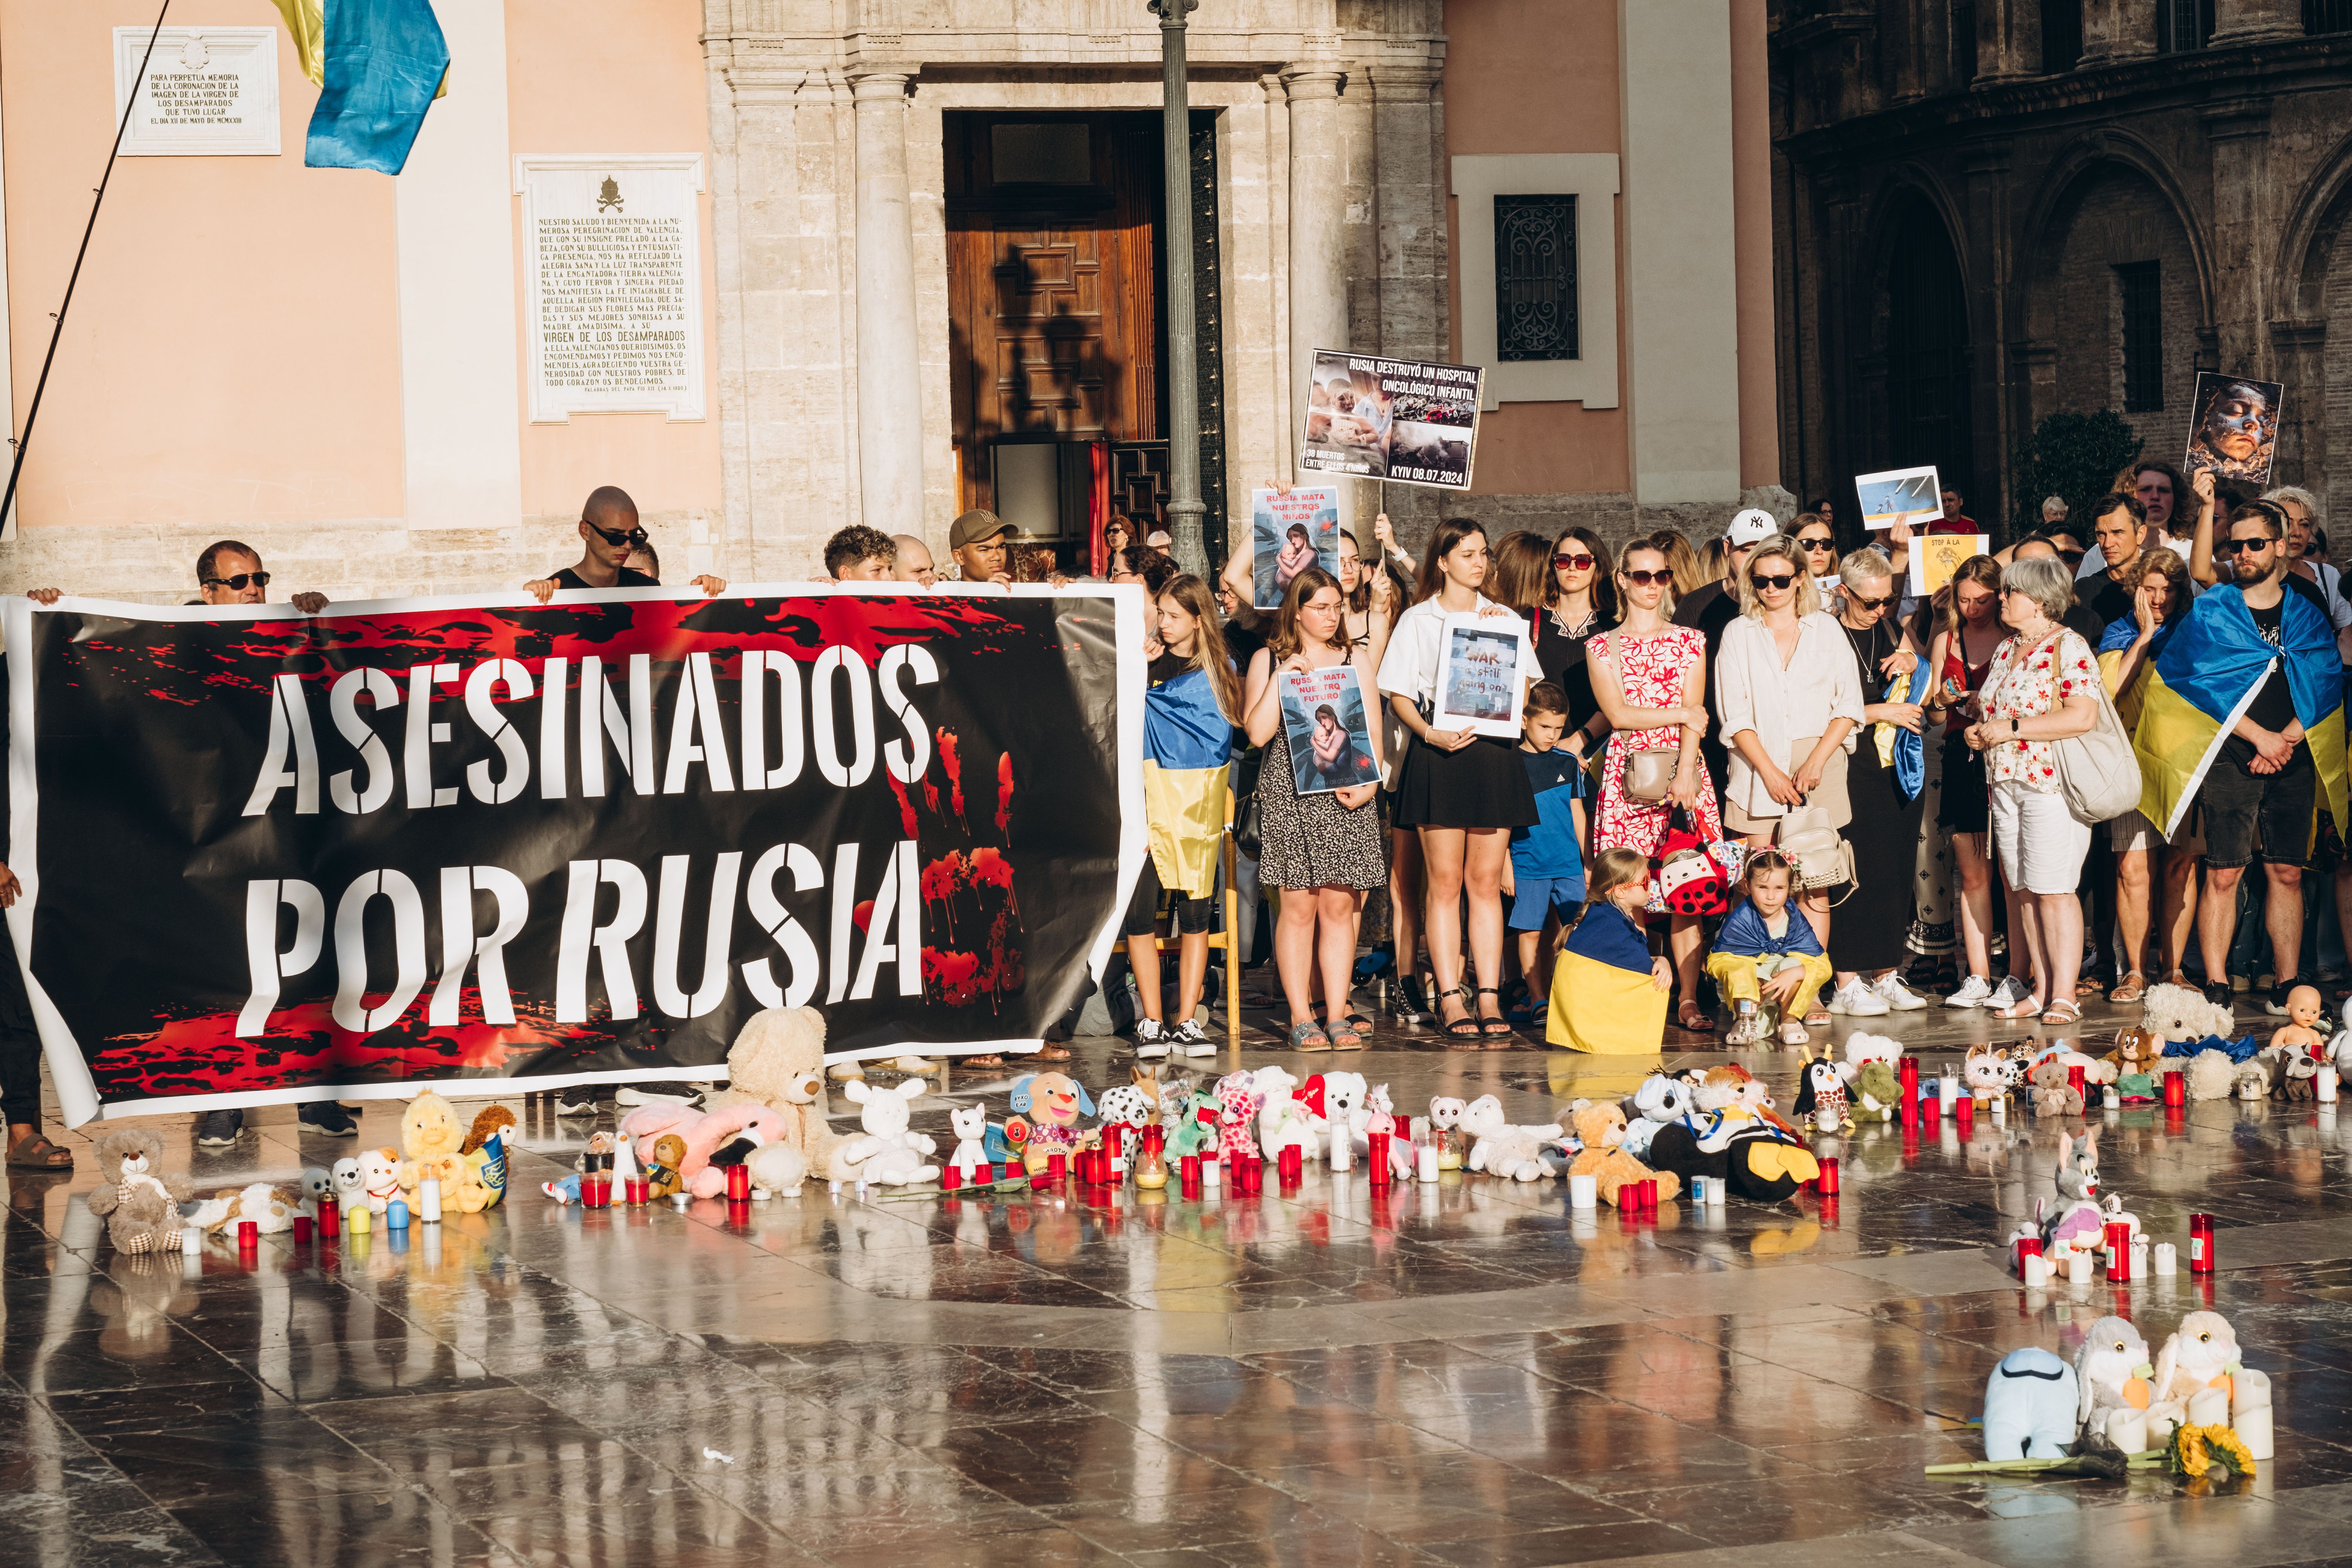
1828, 1176
1906, 1078
1188, 1170
2176, 1090
1376, 1158
951, 1178
302, 1230
2075, 1077
249, 1235
331, 1217
2118, 1250
1964, 1113
2200, 1243
637, 1191
1057, 1166
738, 1183
1291, 1163
2027, 1246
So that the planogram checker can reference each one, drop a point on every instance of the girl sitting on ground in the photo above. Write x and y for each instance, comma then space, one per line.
1607, 992
1765, 962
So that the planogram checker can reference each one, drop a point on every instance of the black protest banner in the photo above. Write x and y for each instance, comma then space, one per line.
272, 858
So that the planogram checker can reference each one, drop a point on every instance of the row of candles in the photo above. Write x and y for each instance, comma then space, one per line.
331, 1221
2123, 1253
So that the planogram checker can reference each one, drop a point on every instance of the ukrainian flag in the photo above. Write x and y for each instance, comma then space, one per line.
379, 64
2205, 680
1601, 998
1186, 744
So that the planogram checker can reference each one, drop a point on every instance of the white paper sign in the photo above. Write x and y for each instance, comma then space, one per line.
613, 285
209, 92
1478, 685
1900, 495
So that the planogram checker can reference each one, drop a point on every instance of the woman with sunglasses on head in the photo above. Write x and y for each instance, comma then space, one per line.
1579, 603
1463, 791
1649, 679
1790, 701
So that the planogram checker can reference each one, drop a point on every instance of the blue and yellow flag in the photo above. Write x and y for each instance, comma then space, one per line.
1186, 744
379, 64
1601, 998
2205, 680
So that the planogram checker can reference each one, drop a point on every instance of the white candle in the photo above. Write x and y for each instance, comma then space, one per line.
2078, 1267
2127, 1430
2167, 1258
1947, 1088
2327, 1082
1583, 1192
1426, 1161
2037, 1271
1211, 1171
2109, 1099
428, 1200
191, 1240
2000, 1109
1343, 1153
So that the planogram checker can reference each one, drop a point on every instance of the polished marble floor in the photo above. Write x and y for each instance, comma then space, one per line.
1463, 1373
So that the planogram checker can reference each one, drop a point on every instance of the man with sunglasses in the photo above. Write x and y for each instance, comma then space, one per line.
609, 527
229, 573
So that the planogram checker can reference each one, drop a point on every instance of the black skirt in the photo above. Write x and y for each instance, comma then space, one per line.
1867, 930
1483, 784
1966, 803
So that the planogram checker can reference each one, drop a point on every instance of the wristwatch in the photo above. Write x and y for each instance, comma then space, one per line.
2012, 726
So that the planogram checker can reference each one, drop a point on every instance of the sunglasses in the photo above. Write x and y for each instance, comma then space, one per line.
1866, 605
1818, 543
1774, 584
2232, 546
618, 535
1644, 578
1572, 562
236, 584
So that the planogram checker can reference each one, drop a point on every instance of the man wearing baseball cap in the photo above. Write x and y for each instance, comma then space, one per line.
1717, 606
977, 541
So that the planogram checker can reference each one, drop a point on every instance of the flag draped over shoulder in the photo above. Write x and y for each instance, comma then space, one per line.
2206, 677
1601, 998
379, 64
1186, 743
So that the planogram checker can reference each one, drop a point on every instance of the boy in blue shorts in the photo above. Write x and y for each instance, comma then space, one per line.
1546, 873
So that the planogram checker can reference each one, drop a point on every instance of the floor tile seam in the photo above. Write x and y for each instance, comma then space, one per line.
118, 1475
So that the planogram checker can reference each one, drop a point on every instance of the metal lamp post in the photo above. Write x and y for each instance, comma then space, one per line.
1184, 507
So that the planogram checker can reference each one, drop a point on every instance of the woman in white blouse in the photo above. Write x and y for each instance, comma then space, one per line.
1790, 701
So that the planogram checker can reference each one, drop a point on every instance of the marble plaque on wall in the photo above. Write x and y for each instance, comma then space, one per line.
613, 285
209, 92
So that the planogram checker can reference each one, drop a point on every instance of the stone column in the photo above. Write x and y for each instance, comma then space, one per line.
889, 401
2009, 39
1318, 235
2117, 30
2249, 21
2244, 238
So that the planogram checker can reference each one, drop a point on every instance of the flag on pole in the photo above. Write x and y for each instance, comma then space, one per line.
379, 64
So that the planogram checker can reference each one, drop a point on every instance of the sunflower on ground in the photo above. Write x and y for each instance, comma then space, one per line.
2196, 1452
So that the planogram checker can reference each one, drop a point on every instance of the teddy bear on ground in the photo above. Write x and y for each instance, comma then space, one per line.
704, 1134
484, 1152
430, 1145
1335, 1100
778, 1168
2179, 1014
1503, 1150
2055, 1093
778, 1062
662, 1176
885, 1153
2211, 1075
379, 1178
1445, 1131
1602, 1129
140, 1206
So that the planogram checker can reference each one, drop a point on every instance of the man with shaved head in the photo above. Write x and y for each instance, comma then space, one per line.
609, 527
912, 563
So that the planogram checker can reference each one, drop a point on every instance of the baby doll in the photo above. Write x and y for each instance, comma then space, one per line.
2302, 1031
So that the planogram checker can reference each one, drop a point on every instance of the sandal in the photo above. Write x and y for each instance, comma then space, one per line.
1306, 1034
2131, 988
34, 1153
2028, 1008
1693, 1017
1465, 1027
2063, 1012
1498, 1024
1050, 1053
1792, 1033
2088, 986
1344, 1038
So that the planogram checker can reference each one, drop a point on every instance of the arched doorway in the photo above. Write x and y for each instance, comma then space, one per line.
1927, 356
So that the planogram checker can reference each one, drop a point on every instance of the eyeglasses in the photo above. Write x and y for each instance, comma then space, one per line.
1644, 578
618, 535
2072, 556
1866, 605
1572, 562
1774, 584
236, 584
1818, 543
2232, 546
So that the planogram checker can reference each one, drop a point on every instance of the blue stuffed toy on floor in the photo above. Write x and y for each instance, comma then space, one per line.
2030, 1406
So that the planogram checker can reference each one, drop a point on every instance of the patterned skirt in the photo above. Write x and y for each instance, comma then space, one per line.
1313, 841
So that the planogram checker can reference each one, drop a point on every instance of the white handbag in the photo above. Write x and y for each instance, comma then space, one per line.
1818, 856
2097, 773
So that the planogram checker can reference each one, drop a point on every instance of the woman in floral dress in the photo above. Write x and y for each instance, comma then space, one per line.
1650, 677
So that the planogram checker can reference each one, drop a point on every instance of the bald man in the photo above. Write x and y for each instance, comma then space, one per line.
913, 562
610, 529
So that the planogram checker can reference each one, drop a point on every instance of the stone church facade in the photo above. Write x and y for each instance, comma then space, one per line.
1989, 213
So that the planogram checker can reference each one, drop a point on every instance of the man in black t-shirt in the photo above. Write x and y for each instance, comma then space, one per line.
609, 527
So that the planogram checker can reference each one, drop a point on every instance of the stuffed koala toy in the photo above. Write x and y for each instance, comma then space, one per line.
140, 1206
885, 1153
1501, 1148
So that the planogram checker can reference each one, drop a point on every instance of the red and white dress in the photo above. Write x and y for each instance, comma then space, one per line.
2026, 682
1651, 671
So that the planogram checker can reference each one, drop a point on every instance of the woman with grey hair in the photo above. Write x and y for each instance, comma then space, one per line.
2043, 686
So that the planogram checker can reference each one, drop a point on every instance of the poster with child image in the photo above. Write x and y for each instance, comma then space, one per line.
1289, 532
2234, 431
1404, 419
1479, 680
1327, 730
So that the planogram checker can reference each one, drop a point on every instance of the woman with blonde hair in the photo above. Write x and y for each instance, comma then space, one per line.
1690, 576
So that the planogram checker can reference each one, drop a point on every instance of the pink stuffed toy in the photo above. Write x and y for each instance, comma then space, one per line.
704, 1135
1237, 1092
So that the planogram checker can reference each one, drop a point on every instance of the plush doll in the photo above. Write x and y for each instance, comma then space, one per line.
1862, 1048
1984, 1073
2179, 1014
779, 1168
379, 1177
316, 1183
1658, 1101
1696, 1142
1053, 1102
1821, 1097
2303, 1030
2201, 1354
662, 1172
1765, 1160
429, 1140
1602, 1129
886, 1153
1190, 1118
971, 1125
2211, 1074
1445, 1131
1334, 1098
705, 1133
350, 1187
2077, 1224
778, 1062
1282, 1122
1125, 1107
2137, 1050
2030, 1404
2111, 1370
1501, 1148
1237, 1099
1875, 1093
140, 1206
272, 1208
2053, 1092
2300, 1076
484, 1153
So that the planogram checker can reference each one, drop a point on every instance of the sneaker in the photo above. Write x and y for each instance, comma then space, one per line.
2218, 993
1151, 1042
1409, 1001
218, 1129
664, 1093
1750, 1028
578, 1100
2275, 1003
1857, 1000
1898, 996
1189, 1039
326, 1116
2008, 995
1975, 993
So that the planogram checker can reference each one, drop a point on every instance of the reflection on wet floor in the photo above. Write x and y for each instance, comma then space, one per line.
1465, 1372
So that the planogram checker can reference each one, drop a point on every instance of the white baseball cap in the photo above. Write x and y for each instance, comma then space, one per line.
1753, 526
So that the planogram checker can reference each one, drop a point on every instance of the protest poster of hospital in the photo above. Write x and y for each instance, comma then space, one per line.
1289, 532
1478, 684
1413, 421
2233, 429
1330, 735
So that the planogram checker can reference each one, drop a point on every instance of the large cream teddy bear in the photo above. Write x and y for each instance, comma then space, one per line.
778, 1062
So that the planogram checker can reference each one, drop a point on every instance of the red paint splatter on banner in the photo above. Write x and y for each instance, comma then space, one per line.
952, 976
989, 868
1004, 794
950, 759
906, 806
940, 880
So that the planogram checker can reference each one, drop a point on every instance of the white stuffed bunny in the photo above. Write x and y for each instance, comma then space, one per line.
1281, 1119
886, 1153
970, 1124
777, 1168
1503, 1150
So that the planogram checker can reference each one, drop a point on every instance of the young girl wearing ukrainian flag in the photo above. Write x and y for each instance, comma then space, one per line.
1608, 993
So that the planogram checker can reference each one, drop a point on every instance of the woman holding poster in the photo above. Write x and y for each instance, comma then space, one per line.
1650, 679
1462, 791
1321, 847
